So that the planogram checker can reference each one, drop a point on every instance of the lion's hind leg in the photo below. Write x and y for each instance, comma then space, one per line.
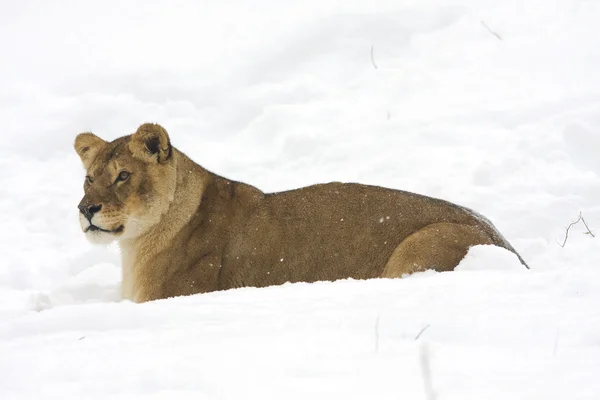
439, 246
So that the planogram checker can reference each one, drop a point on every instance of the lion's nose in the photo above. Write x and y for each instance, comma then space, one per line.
89, 211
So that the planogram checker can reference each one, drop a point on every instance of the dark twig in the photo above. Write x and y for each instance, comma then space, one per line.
490, 31
421, 331
589, 232
373, 58
568, 229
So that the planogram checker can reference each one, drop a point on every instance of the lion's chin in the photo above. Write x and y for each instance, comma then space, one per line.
98, 234
100, 237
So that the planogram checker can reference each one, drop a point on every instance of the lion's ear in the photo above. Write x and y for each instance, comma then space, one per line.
151, 143
87, 145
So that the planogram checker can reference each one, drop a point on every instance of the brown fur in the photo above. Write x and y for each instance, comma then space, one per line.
184, 230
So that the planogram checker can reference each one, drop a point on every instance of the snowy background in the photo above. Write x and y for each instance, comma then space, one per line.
494, 105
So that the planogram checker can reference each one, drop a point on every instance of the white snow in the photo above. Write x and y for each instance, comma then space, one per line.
286, 94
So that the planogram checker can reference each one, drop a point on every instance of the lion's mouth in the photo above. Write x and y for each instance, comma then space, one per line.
94, 228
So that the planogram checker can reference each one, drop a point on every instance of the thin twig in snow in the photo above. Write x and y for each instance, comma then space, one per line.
421, 331
377, 334
589, 232
490, 31
373, 58
568, 229
426, 373
556, 342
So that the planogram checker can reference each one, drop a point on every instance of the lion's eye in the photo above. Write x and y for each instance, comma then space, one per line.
123, 176
89, 179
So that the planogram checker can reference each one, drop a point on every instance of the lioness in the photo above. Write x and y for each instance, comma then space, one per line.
185, 230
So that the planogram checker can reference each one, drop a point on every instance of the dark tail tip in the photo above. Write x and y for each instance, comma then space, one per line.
522, 261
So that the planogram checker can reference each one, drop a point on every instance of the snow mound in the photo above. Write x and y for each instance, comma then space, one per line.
490, 258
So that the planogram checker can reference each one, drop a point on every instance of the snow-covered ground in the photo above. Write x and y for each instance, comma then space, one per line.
492, 104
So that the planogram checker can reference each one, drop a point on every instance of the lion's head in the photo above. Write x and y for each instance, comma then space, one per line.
129, 185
